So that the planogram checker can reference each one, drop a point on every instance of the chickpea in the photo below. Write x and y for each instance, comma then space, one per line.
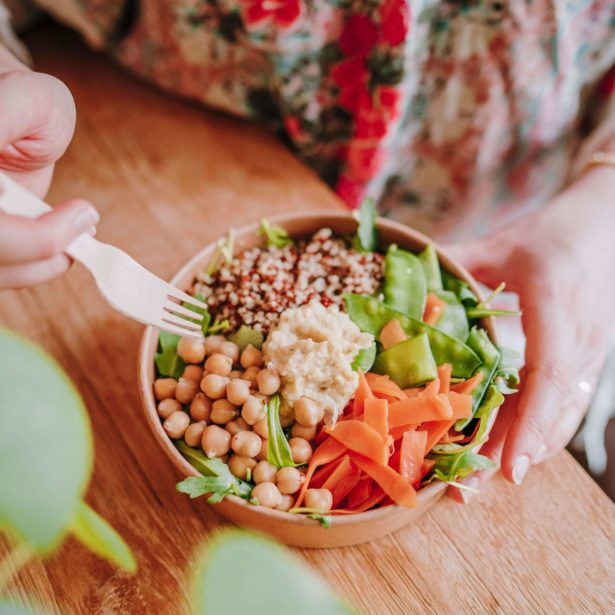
253, 409
191, 349
300, 449
236, 425
301, 431
235, 374
261, 428
167, 406
194, 433
216, 442
213, 343
267, 494
193, 372
319, 499
222, 412
186, 391
268, 382
264, 472
289, 480
176, 424
251, 357
308, 412
239, 466
219, 364
200, 407
246, 443
264, 452
250, 375
230, 349
288, 501
164, 388
237, 391
214, 385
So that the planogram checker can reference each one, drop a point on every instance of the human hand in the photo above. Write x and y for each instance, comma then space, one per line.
37, 120
560, 262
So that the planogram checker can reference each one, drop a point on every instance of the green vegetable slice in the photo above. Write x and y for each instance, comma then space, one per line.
247, 336
275, 235
278, 451
464, 293
167, 360
454, 320
408, 363
366, 239
431, 267
365, 359
405, 288
371, 315
506, 377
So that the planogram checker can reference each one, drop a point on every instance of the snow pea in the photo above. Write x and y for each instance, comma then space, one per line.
431, 268
371, 315
408, 363
405, 287
487, 351
454, 320
365, 358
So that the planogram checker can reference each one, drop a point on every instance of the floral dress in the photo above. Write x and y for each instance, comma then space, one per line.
456, 115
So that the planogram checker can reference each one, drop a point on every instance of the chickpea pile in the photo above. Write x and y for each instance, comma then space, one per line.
219, 405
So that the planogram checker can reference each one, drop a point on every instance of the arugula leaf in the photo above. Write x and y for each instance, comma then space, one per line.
278, 449
197, 310
245, 336
275, 235
365, 359
313, 513
482, 310
366, 239
167, 361
219, 325
224, 250
450, 468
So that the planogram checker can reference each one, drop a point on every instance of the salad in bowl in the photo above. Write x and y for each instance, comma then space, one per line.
342, 372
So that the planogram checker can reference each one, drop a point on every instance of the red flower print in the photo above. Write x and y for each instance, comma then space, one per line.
293, 128
375, 112
394, 22
351, 78
364, 162
358, 36
350, 191
282, 14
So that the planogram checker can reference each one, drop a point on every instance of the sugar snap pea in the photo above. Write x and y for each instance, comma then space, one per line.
405, 287
371, 315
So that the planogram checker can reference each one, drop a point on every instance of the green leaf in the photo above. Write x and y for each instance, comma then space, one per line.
366, 239
278, 451
464, 293
454, 467
506, 377
224, 251
275, 235
100, 538
365, 359
45, 445
271, 581
167, 361
454, 320
245, 336
324, 520
202, 311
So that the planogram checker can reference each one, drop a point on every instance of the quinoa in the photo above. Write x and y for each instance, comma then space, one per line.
259, 284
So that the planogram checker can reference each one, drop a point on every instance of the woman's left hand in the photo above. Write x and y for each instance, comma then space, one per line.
560, 261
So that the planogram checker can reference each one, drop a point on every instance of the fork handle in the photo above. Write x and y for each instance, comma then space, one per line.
17, 201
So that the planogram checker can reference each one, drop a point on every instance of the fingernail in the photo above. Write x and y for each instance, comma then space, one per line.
472, 483
541, 455
520, 468
87, 219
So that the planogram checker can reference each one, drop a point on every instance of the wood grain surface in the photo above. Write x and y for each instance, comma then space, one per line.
168, 178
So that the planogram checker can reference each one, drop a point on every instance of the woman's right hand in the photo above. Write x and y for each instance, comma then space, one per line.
37, 120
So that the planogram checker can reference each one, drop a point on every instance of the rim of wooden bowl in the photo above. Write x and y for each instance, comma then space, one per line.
248, 236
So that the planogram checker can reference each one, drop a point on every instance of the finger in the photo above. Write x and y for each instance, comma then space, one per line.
491, 449
30, 274
25, 240
546, 387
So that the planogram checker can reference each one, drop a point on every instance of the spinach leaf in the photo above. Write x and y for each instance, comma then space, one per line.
167, 361
278, 451
464, 293
275, 235
506, 377
450, 468
245, 336
366, 239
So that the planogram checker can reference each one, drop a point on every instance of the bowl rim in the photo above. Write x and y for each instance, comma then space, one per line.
151, 333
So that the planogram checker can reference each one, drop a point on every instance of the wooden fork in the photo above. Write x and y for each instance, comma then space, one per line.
128, 287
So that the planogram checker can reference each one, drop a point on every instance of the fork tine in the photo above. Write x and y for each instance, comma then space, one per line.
170, 306
180, 295
177, 330
178, 321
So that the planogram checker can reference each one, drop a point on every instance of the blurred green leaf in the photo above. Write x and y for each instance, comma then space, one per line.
271, 581
45, 444
100, 538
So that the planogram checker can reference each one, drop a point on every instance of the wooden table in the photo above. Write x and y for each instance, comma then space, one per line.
168, 178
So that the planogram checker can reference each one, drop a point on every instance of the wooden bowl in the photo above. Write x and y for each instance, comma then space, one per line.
290, 529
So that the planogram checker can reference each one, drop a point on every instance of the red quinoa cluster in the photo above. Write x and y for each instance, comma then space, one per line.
259, 284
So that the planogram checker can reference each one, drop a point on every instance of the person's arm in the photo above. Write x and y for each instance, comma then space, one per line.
561, 261
37, 120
